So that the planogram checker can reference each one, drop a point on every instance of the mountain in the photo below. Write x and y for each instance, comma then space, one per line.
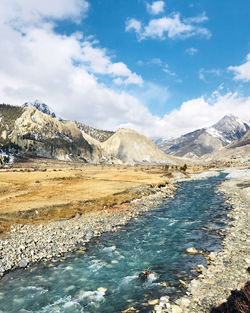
131, 147
42, 107
26, 131
238, 150
29, 132
205, 140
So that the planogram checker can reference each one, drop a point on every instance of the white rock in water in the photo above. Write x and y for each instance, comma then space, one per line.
152, 276
153, 302
102, 289
191, 250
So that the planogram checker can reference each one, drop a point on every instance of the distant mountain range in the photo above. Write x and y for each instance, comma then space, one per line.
205, 140
236, 150
33, 130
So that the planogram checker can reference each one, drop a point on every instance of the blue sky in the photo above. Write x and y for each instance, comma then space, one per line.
160, 67
228, 22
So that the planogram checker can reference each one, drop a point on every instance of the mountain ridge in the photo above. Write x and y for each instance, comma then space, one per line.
27, 131
205, 140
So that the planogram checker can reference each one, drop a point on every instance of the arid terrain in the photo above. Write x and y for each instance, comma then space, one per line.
43, 190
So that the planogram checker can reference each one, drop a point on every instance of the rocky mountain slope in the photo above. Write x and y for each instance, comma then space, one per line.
131, 147
238, 150
34, 131
41, 106
205, 140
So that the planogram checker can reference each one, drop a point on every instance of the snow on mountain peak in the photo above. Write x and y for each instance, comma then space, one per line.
41, 106
228, 128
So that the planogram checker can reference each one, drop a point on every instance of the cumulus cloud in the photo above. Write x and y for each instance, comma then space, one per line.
99, 62
26, 12
242, 72
62, 70
65, 71
194, 114
172, 26
156, 7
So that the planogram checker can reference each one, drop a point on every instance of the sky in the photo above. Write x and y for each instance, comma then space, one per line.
163, 68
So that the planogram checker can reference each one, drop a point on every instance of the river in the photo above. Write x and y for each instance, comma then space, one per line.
105, 279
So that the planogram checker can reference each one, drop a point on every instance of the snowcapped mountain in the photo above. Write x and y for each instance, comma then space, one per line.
228, 129
41, 106
205, 140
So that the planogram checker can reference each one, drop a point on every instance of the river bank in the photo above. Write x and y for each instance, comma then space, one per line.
29, 244
228, 269
49, 243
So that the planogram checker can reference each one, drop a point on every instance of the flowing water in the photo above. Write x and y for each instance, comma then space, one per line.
157, 240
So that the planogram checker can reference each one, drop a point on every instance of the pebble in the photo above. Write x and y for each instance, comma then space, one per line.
176, 309
25, 245
192, 250
153, 302
227, 269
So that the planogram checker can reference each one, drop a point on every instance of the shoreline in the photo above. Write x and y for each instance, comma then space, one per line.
27, 245
227, 270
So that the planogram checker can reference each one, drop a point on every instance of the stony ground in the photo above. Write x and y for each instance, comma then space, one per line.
228, 269
27, 244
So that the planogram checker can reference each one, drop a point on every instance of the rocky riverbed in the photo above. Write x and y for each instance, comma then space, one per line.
26, 244
228, 269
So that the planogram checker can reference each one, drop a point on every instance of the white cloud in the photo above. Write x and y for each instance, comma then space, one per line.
27, 12
64, 71
171, 26
156, 7
194, 114
203, 73
99, 62
133, 25
191, 51
197, 19
168, 71
242, 72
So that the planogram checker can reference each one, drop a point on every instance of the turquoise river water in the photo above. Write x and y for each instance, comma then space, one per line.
157, 240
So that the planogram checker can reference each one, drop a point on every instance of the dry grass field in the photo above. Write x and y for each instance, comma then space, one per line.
44, 190
40, 191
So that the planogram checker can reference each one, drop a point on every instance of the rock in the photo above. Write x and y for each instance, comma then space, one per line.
164, 284
247, 260
183, 302
132, 309
183, 283
153, 302
201, 267
192, 250
210, 282
23, 263
80, 251
89, 234
164, 299
176, 309
158, 308
212, 256
102, 289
